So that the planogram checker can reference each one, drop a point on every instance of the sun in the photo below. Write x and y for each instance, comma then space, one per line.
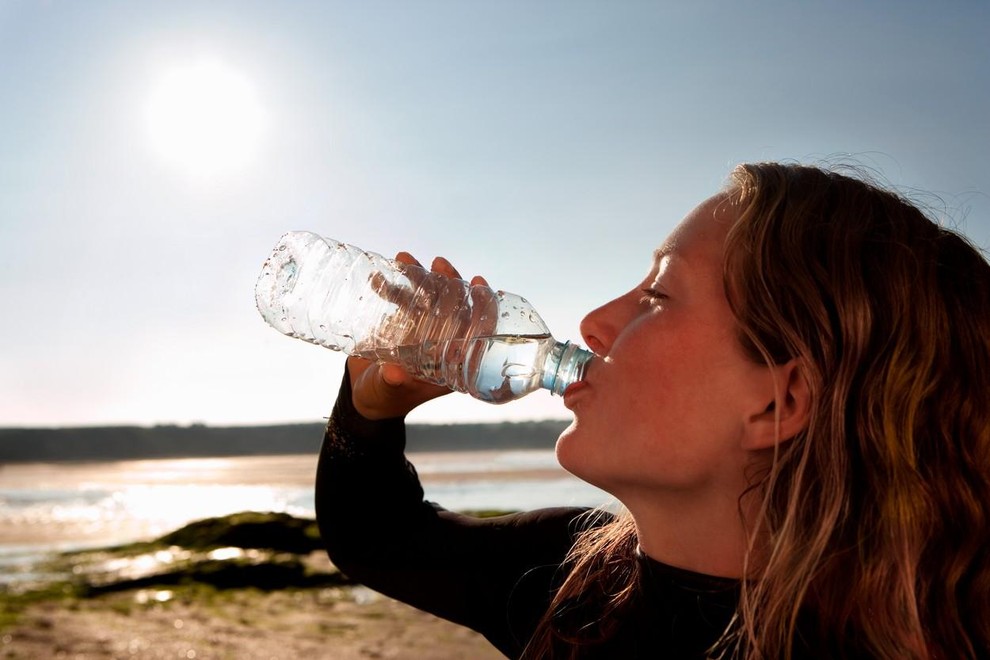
205, 119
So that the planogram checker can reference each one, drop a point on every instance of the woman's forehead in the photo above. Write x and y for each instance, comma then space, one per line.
700, 236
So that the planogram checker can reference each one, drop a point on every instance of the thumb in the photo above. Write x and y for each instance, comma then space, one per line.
393, 375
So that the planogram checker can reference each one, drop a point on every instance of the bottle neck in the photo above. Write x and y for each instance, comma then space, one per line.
564, 365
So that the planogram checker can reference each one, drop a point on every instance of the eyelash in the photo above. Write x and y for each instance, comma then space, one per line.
652, 297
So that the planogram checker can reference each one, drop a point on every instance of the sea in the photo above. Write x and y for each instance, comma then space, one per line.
46, 508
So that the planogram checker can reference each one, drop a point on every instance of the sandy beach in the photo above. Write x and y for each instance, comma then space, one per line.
345, 623
164, 601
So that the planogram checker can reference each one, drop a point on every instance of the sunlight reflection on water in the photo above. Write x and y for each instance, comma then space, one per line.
67, 506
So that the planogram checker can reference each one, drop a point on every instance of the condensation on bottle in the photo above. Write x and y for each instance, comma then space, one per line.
491, 344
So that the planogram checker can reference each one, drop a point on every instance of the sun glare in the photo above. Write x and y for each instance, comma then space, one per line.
205, 119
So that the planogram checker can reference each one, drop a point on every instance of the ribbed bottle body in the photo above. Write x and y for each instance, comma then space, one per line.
490, 344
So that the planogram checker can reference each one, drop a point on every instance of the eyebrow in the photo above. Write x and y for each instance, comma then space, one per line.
663, 251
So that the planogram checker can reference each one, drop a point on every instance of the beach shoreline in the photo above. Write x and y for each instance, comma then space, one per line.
126, 501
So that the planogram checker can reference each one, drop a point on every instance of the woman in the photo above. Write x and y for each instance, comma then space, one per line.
792, 408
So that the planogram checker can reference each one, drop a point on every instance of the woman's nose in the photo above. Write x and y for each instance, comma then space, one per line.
600, 326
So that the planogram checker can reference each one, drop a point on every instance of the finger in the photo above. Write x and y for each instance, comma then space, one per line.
406, 258
397, 293
484, 308
444, 267
414, 276
386, 390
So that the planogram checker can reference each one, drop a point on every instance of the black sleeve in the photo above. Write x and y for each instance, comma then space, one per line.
494, 575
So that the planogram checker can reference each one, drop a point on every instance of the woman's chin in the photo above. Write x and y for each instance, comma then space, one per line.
568, 449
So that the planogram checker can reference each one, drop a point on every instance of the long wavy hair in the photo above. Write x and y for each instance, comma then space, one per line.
873, 523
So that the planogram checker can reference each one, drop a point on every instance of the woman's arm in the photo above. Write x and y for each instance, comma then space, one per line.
494, 575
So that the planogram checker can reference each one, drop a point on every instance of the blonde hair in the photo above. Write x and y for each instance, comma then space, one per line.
874, 526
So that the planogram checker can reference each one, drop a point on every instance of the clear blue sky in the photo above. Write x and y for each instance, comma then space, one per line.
547, 145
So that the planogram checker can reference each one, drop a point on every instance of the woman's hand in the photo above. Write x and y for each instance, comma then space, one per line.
382, 391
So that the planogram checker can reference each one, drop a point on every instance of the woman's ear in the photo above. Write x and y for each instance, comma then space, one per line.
786, 414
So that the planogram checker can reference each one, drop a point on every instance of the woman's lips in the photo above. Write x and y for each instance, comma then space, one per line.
573, 391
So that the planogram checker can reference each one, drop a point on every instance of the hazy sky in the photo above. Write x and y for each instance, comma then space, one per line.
547, 145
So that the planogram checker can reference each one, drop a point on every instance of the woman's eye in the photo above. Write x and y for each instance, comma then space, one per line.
652, 297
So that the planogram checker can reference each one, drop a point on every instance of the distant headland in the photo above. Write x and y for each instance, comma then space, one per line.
107, 443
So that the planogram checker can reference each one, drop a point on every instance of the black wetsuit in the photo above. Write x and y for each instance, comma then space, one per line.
494, 575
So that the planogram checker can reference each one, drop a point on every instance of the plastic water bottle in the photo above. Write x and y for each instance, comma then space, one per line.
491, 344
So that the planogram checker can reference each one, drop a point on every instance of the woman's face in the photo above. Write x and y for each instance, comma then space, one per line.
666, 402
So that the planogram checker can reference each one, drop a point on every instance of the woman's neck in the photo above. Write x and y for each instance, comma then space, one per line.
704, 535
